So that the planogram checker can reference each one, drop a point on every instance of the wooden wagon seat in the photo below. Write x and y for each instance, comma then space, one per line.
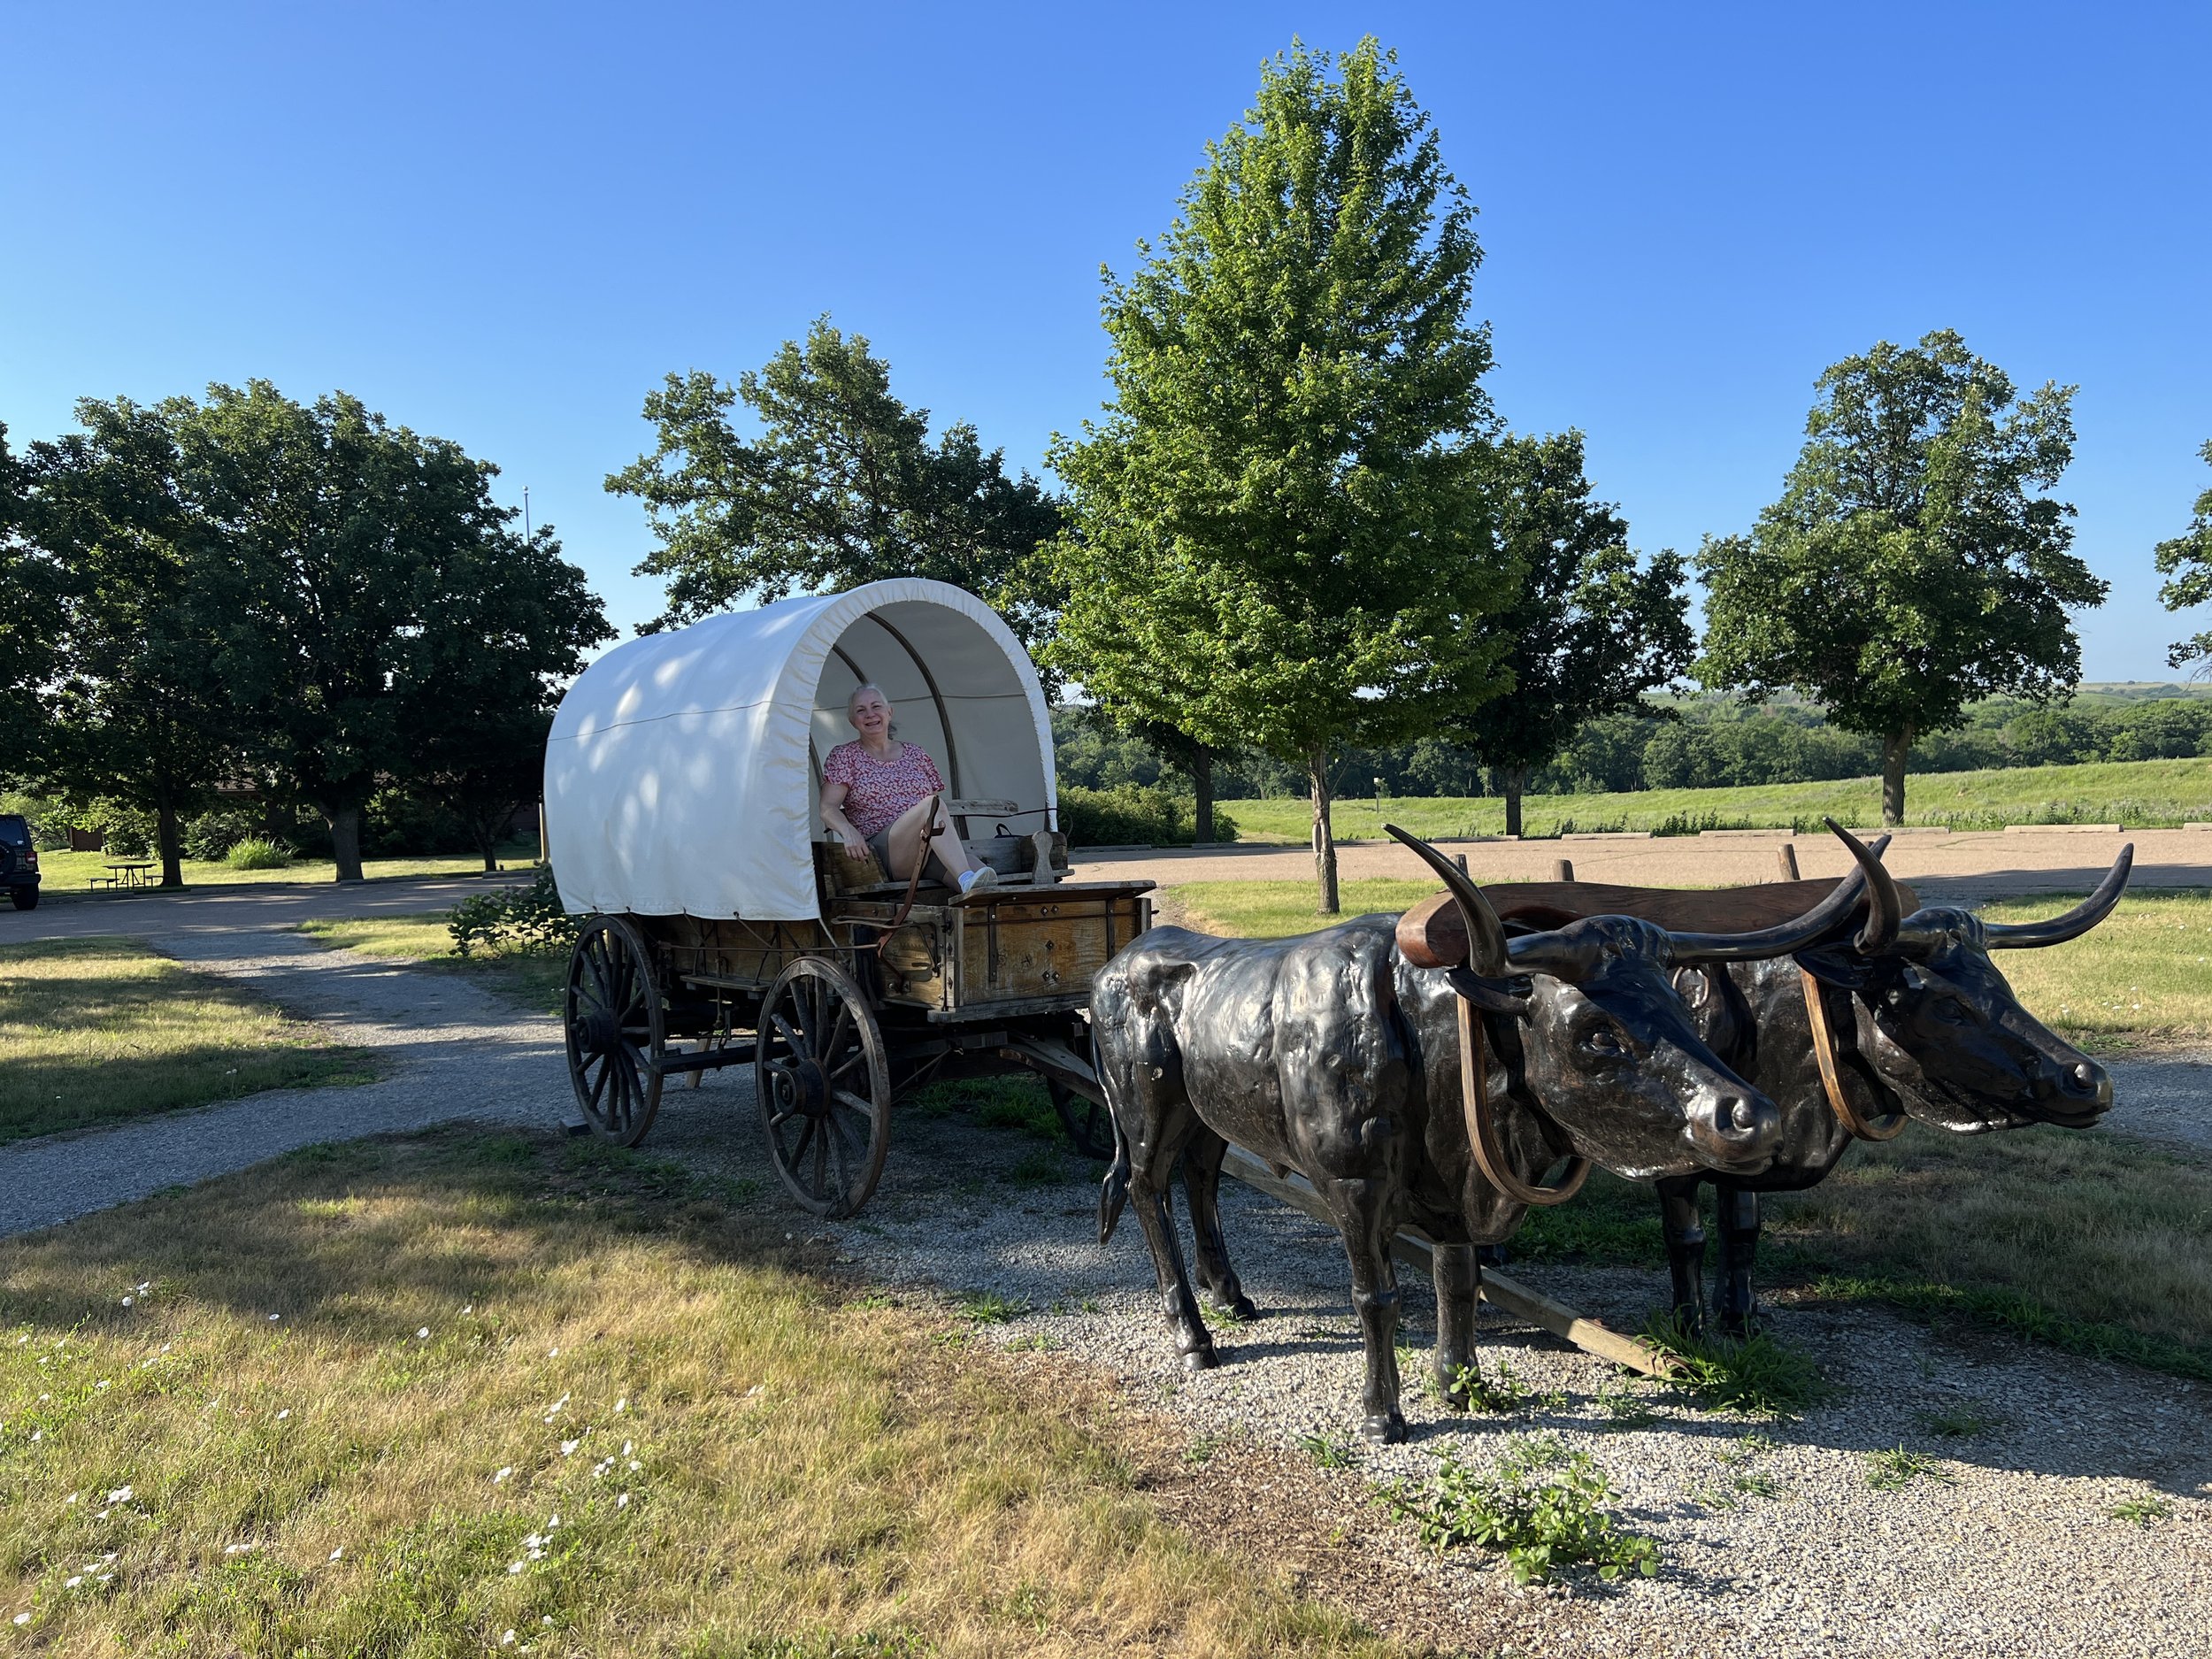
1432, 936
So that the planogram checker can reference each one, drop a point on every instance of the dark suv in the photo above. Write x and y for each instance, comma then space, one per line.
19, 861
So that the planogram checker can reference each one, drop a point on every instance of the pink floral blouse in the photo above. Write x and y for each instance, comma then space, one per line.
877, 791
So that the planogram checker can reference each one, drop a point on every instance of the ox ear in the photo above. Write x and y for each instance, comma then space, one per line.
1838, 965
1493, 996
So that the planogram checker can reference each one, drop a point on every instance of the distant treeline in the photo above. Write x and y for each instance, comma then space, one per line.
1692, 744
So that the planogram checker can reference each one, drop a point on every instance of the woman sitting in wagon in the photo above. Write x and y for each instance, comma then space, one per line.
880, 795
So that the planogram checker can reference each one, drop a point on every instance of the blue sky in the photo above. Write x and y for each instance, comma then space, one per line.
504, 224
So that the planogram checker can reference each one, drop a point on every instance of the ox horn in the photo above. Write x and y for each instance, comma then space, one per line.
2074, 923
1885, 907
1485, 935
1781, 939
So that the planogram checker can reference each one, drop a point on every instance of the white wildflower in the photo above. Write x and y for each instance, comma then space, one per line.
508, 1640
629, 1448
284, 1413
503, 1474
126, 1302
71, 1582
423, 1335
470, 1309
274, 1318
102, 1383
22, 1618
569, 1447
555, 1522
622, 1502
622, 1404
552, 1353
122, 1495
337, 1553
148, 1286
514, 1566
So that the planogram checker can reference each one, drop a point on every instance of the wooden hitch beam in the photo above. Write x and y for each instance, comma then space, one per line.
1499, 1290
673, 1064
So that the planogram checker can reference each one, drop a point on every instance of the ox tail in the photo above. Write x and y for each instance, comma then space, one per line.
1113, 1192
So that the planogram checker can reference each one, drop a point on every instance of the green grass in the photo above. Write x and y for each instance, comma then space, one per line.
536, 980
2083, 1241
94, 1030
2146, 970
1273, 909
477, 1333
2140, 794
66, 872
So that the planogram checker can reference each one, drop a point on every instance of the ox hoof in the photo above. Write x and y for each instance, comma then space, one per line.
1739, 1324
1384, 1429
1201, 1358
1237, 1307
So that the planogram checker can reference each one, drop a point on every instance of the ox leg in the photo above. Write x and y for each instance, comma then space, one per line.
1192, 1340
1734, 1301
1685, 1248
1458, 1276
1201, 1188
1362, 1217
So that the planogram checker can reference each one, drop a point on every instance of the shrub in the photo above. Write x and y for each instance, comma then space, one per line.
516, 921
1134, 815
1540, 1506
258, 852
211, 835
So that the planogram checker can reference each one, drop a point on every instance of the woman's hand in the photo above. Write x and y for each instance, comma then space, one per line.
855, 848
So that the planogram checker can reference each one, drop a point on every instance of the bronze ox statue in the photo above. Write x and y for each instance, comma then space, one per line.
1909, 1020
1430, 1096
1892, 1018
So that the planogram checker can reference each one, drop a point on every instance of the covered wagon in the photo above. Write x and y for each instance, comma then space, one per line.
726, 927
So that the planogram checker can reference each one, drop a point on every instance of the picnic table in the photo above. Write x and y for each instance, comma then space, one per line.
126, 873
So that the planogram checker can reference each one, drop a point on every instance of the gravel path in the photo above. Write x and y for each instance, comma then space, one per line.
449, 1049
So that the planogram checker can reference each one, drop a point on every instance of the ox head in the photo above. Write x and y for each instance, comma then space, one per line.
1941, 1025
1612, 1054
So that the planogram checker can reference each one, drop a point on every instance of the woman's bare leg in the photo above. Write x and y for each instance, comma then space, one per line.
906, 836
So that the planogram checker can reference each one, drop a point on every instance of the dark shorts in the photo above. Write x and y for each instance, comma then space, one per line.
879, 844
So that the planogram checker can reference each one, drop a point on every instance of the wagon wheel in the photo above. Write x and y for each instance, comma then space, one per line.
617, 1031
1089, 1124
823, 1082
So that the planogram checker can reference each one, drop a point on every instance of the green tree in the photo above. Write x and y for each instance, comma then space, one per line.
1911, 566
133, 713
29, 619
363, 596
2186, 563
843, 485
1280, 536
1591, 631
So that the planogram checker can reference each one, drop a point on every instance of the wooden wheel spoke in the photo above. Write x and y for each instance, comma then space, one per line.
790, 1037
845, 1096
599, 1084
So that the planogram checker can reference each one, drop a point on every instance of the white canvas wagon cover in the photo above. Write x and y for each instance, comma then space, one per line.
683, 772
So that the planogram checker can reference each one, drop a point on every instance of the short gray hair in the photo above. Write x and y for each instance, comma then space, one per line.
860, 691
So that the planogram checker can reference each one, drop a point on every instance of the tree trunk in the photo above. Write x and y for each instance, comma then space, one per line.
170, 843
1324, 832
1895, 747
1202, 777
1515, 779
345, 840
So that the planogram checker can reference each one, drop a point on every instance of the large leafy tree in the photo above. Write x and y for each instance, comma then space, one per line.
29, 619
132, 711
1914, 563
2185, 562
1280, 536
843, 486
367, 604
1591, 631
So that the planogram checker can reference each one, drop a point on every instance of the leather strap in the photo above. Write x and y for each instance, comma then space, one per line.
1886, 1128
914, 881
1482, 1128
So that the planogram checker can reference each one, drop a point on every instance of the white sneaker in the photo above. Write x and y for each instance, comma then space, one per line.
972, 879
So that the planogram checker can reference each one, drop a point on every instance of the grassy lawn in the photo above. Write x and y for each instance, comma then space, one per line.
66, 872
1274, 910
2144, 972
2097, 1244
407, 1397
95, 1030
536, 980
2140, 794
